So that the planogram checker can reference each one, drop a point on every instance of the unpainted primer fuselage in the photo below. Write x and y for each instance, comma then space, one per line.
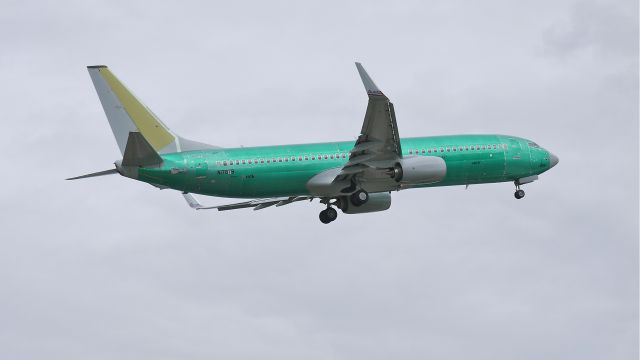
284, 170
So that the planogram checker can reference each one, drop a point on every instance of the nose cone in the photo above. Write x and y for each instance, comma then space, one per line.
553, 160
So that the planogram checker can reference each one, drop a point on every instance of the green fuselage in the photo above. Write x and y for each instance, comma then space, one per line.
284, 170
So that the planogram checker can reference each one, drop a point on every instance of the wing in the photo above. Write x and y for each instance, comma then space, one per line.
255, 204
378, 145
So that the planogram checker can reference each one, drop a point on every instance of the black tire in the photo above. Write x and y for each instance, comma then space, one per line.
519, 194
359, 198
331, 214
324, 218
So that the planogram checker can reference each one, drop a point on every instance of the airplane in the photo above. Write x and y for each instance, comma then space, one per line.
355, 177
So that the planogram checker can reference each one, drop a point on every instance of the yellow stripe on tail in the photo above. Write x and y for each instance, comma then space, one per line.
149, 125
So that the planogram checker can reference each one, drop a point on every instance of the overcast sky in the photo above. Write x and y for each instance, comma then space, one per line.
110, 268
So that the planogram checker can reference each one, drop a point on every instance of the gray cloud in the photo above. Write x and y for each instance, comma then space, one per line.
110, 268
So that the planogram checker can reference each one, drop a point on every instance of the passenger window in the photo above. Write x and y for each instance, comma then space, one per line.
224, 163
429, 151
286, 159
293, 158
441, 150
410, 152
448, 149
299, 158
455, 149
424, 151
326, 157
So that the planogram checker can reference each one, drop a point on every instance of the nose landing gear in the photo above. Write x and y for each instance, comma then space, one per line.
519, 194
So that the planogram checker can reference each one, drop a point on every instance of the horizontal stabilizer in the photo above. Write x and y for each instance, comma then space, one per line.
99, 173
139, 152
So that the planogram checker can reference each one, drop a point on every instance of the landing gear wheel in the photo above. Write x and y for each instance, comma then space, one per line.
359, 197
519, 194
332, 214
328, 215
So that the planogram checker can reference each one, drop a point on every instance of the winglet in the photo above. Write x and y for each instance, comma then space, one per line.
368, 83
193, 203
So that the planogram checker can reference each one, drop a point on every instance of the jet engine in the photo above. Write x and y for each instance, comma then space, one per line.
419, 170
376, 202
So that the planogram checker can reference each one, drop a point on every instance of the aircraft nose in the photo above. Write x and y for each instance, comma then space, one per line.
553, 160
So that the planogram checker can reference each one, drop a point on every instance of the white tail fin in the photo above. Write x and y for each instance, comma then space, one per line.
127, 114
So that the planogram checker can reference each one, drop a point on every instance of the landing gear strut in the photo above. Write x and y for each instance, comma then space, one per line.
519, 194
328, 215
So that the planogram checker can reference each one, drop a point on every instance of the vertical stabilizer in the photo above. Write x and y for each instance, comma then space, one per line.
127, 114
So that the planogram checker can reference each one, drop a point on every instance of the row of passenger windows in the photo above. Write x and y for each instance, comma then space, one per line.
283, 159
456, 149
344, 155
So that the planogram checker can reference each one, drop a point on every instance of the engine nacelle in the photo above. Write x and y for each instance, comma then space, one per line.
376, 202
420, 170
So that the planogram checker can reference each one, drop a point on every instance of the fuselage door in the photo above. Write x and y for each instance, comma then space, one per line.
199, 168
517, 159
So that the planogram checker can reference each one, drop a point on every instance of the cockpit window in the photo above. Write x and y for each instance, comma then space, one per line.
533, 145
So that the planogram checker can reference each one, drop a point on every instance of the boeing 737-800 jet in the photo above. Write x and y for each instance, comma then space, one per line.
355, 177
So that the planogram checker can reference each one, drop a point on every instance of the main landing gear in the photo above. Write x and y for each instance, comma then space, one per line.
519, 194
329, 214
